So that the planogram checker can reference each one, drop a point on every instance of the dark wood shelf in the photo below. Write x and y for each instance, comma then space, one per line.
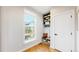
46, 20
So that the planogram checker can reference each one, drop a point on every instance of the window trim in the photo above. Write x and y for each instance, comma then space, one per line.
31, 13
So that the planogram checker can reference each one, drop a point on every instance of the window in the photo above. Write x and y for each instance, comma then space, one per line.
29, 21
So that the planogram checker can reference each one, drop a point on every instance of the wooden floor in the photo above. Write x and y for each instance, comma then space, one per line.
41, 48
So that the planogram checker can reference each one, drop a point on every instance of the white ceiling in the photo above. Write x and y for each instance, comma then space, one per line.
41, 9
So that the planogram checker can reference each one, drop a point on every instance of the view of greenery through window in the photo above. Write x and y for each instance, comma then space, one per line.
29, 26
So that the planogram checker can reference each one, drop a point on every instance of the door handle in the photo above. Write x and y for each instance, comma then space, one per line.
71, 33
55, 34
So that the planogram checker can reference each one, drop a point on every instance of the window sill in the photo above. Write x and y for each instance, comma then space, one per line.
27, 41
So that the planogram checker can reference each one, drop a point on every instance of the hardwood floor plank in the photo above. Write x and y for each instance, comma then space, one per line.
41, 48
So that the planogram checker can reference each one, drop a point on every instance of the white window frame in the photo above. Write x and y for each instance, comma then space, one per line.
31, 13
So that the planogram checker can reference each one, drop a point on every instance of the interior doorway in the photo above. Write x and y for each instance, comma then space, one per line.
63, 26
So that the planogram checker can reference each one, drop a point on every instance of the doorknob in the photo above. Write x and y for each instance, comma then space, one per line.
71, 33
55, 34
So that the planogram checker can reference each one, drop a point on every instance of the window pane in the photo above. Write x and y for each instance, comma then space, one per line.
29, 26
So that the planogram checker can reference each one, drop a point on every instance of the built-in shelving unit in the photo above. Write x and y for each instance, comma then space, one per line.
46, 20
46, 23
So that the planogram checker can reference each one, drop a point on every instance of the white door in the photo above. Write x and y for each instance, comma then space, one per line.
64, 31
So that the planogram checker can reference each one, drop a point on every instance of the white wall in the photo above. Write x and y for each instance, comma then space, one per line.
12, 32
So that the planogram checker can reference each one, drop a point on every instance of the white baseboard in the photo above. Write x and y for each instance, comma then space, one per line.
29, 47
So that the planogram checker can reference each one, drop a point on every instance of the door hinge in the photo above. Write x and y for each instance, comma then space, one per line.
70, 50
71, 16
